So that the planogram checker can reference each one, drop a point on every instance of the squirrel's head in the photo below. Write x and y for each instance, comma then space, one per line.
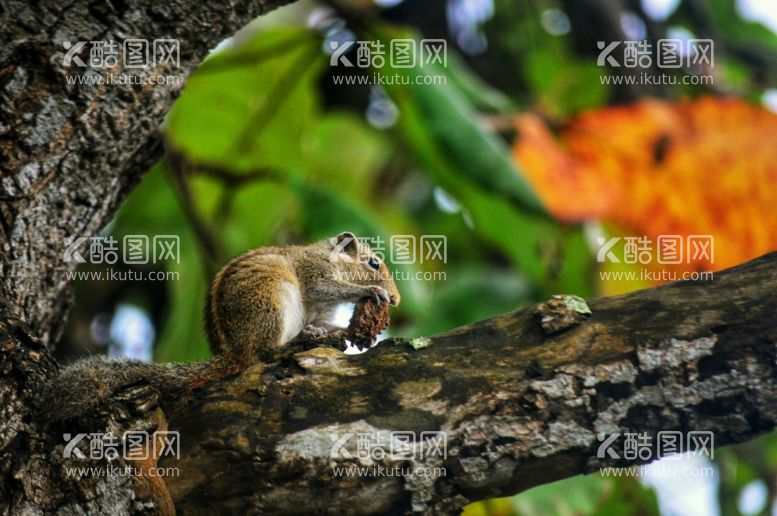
358, 264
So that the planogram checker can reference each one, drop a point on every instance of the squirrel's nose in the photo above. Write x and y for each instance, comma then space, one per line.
393, 300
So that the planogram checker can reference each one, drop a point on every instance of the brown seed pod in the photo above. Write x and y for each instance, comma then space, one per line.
368, 320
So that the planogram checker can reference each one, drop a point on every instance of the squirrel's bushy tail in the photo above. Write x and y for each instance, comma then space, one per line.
83, 385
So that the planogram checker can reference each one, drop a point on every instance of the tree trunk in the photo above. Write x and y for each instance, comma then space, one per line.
69, 154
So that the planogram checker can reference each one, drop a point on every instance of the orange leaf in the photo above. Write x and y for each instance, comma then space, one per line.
707, 166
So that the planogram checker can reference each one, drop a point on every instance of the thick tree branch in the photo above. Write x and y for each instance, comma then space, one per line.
70, 153
519, 408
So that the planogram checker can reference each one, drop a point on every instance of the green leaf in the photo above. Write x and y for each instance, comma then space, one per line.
453, 124
183, 338
563, 84
479, 93
248, 107
259, 210
153, 205
577, 495
344, 154
627, 496
497, 291
440, 128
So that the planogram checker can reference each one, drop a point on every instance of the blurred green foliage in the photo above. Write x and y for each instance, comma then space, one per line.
300, 172
270, 160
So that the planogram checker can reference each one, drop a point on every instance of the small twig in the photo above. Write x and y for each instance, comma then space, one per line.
212, 250
232, 178
275, 98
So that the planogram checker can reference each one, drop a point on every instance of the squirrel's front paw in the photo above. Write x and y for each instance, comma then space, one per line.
379, 294
311, 331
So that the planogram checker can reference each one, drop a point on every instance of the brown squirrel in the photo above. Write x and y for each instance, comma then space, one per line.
258, 302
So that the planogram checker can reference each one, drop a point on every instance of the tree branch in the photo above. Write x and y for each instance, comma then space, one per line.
519, 408
70, 153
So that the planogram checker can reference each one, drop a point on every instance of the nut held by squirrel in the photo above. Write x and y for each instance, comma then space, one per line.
369, 319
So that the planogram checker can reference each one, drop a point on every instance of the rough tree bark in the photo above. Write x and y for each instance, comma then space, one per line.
69, 154
519, 408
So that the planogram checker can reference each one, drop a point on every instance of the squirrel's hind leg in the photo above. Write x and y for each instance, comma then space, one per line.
258, 322
322, 323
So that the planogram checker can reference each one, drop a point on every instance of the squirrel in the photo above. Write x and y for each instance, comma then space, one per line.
257, 303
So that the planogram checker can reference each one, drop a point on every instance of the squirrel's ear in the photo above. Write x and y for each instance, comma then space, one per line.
347, 243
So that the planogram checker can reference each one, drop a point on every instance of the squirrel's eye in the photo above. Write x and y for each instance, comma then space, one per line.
373, 262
